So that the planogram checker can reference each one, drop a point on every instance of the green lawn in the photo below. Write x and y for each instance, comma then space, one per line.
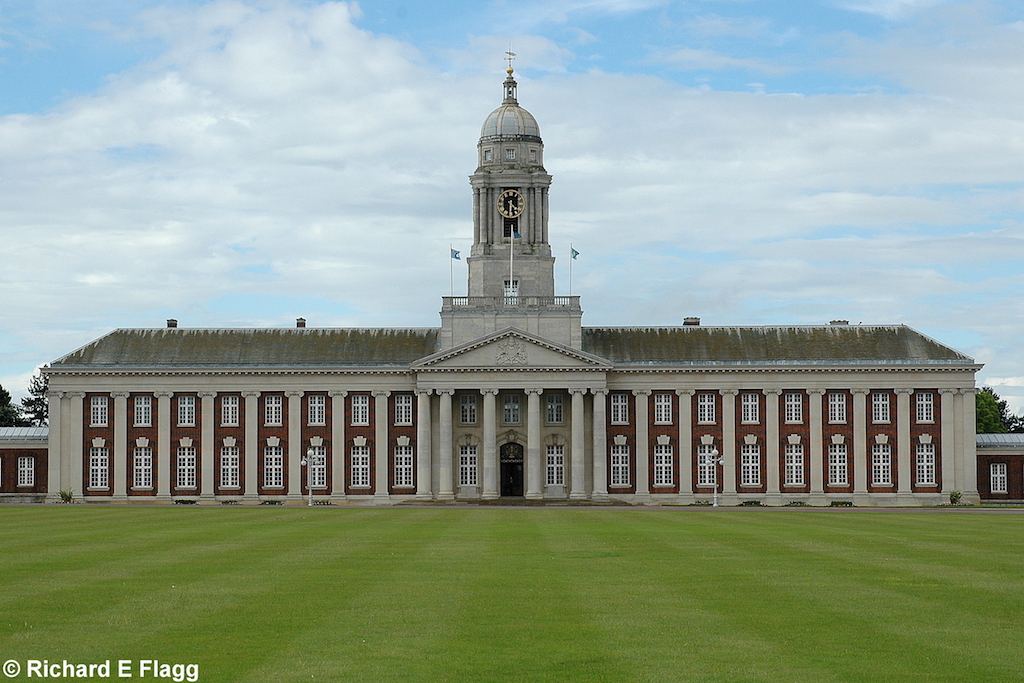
588, 594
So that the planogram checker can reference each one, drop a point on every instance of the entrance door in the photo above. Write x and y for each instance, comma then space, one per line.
511, 469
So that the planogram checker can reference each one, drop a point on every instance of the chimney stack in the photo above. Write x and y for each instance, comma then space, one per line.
691, 321
171, 322
300, 322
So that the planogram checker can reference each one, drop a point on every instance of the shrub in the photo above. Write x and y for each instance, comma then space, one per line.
956, 497
67, 495
751, 503
841, 504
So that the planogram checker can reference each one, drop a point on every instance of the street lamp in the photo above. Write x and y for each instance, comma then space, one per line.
307, 462
716, 461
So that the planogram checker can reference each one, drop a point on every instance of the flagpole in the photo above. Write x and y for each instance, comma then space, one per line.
511, 251
570, 268
451, 269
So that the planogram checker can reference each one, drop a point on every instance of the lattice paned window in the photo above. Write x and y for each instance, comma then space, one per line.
187, 467
403, 467
511, 405
838, 473
403, 409
26, 470
794, 408
555, 409
316, 407
273, 466
229, 467
707, 465
360, 410
750, 408
837, 407
467, 409
663, 465
510, 154
997, 477
925, 464
316, 461
142, 470
467, 466
556, 465
925, 407
750, 464
273, 411
99, 471
705, 408
620, 465
620, 409
880, 407
361, 467
663, 409
229, 411
186, 411
881, 464
98, 411
143, 411
794, 475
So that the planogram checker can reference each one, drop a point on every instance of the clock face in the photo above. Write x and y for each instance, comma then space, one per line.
511, 203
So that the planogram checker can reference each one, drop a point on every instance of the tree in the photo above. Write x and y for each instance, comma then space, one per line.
993, 415
34, 407
10, 414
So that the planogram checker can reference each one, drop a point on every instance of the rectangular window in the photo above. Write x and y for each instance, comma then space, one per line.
925, 407
98, 411
620, 409
620, 465
925, 464
316, 461
403, 409
837, 408
98, 469
705, 408
879, 407
511, 292
750, 465
403, 467
750, 410
467, 409
555, 416
794, 464
663, 409
997, 477
229, 476
361, 410
229, 411
837, 467
707, 465
467, 466
510, 154
273, 467
881, 464
26, 470
187, 467
663, 470
794, 408
273, 411
143, 411
317, 408
556, 466
361, 467
511, 403
186, 411
142, 472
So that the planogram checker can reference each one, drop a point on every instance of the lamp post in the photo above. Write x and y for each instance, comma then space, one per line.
716, 460
308, 461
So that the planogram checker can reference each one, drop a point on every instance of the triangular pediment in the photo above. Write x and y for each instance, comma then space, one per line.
512, 349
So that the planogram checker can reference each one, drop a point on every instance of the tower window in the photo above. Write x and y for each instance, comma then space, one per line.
510, 154
511, 292
488, 155
533, 155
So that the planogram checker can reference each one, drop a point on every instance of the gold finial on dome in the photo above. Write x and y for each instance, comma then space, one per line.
509, 58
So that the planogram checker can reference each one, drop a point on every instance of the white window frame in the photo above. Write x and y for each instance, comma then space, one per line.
663, 409
26, 470
750, 464
836, 407
99, 468
880, 413
360, 467
99, 412
750, 408
619, 466
794, 461
881, 465
555, 470
186, 467
664, 461
316, 410
143, 413
925, 407
186, 411
555, 409
273, 411
273, 467
838, 465
404, 467
468, 474
467, 409
706, 409
316, 464
360, 410
512, 292
510, 411
229, 411
619, 409
510, 154
794, 405
230, 463
403, 410
707, 466
925, 464
997, 478
142, 468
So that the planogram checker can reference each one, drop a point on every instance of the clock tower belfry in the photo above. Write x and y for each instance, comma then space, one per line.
511, 269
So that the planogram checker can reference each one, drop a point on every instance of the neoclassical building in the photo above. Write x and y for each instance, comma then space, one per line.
511, 396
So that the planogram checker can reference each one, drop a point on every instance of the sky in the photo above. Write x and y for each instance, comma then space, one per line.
238, 163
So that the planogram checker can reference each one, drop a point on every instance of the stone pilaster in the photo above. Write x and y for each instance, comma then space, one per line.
729, 496
252, 447
445, 491
816, 450
860, 445
685, 445
423, 436
381, 428
969, 457
207, 449
163, 445
55, 454
578, 485
337, 449
600, 441
643, 447
120, 450
490, 445
947, 446
903, 481
296, 451
534, 466
771, 417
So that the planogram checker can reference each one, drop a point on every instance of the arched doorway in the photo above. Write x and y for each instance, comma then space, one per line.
511, 470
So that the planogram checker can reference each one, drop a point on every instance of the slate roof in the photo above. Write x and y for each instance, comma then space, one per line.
999, 440
24, 433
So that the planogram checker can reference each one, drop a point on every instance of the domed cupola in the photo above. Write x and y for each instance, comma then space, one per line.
510, 136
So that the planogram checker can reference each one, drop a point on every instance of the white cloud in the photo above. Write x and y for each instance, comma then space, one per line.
695, 59
892, 10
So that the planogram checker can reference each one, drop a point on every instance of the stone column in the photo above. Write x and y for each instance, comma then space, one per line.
207, 455
381, 429
295, 452
771, 445
643, 447
729, 496
445, 491
423, 473
860, 444
337, 450
163, 445
54, 454
969, 457
252, 447
120, 446
685, 445
490, 445
947, 445
816, 450
903, 489
600, 444
578, 489
534, 466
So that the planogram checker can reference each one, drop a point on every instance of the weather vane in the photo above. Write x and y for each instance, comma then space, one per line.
511, 56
